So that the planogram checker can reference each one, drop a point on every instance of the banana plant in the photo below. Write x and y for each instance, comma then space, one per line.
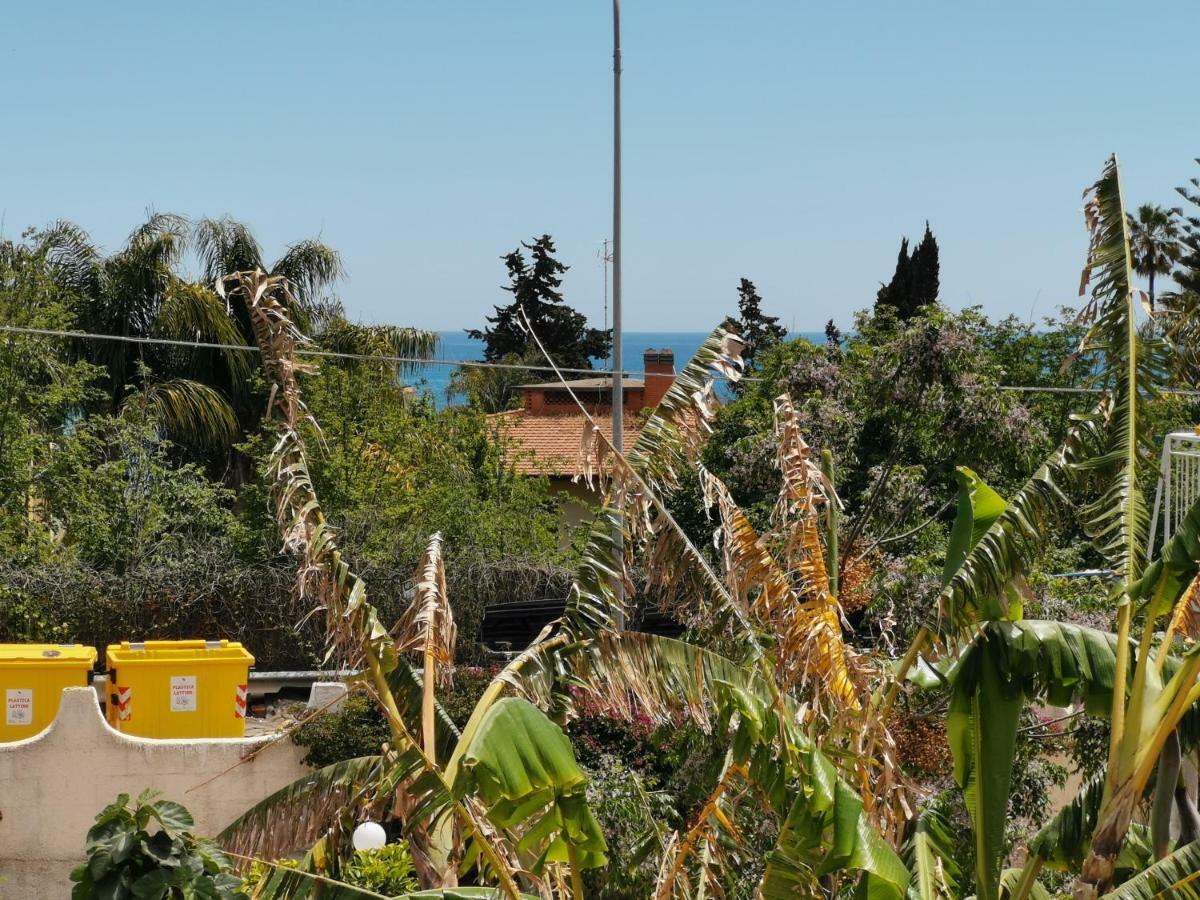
509, 798
786, 640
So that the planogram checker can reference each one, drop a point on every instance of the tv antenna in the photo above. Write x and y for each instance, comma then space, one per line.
605, 258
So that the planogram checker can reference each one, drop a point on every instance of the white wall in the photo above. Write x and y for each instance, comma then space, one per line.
52, 785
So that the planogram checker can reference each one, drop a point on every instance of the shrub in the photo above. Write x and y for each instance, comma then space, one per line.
148, 851
356, 729
388, 870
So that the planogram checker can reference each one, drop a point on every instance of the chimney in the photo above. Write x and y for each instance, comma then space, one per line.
660, 375
534, 400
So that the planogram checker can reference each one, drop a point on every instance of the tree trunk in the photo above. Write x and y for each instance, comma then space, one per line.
1151, 290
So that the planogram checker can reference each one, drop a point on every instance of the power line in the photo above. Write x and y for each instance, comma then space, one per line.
467, 363
333, 354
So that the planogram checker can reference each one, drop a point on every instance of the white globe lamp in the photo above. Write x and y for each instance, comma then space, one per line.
369, 836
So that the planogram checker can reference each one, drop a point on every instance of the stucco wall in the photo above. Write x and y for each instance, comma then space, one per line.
52, 785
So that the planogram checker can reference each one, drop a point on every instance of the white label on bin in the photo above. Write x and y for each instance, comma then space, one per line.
18, 706
183, 693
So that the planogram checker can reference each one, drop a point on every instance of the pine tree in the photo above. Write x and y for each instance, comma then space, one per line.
1187, 274
758, 331
535, 285
915, 282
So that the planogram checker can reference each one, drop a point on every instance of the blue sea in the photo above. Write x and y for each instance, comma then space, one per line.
455, 345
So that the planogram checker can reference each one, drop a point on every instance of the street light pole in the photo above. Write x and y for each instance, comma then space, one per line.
618, 377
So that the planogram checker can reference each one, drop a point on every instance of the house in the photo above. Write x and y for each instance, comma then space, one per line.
544, 436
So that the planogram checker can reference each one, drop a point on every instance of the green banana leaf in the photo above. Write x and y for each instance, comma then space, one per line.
1056, 662
1010, 878
825, 832
523, 768
981, 728
929, 855
286, 883
1004, 666
978, 507
1175, 876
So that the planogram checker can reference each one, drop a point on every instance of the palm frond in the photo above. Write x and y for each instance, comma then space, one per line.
74, 259
187, 411
192, 312
338, 335
225, 246
310, 267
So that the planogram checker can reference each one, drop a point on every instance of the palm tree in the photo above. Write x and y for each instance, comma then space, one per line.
1155, 240
226, 246
137, 293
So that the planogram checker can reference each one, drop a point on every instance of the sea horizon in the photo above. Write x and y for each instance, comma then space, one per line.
456, 345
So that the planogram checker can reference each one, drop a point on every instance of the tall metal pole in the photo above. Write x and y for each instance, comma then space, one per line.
618, 363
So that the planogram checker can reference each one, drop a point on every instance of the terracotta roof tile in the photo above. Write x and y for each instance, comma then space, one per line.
549, 444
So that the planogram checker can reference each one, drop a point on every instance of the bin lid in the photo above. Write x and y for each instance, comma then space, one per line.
195, 651
47, 654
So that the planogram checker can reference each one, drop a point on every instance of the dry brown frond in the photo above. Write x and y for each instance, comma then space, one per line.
802, 618
1185, 620
704, 844
427, 626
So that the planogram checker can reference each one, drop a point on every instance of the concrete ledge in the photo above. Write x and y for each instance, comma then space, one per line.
53, 784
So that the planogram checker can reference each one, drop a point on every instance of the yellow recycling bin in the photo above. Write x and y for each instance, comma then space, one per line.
178, 689
32, 678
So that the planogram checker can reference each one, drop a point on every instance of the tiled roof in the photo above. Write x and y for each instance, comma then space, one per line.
630, 384
549, 444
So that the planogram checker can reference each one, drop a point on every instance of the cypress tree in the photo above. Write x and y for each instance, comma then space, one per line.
915, 281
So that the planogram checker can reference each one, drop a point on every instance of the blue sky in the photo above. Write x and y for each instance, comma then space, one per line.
790, 142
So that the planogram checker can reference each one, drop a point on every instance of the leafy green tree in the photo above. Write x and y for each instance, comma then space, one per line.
396, 469
758, 330
148, 850
1155, 239
915, 282
534, 284
41, 389
121, 501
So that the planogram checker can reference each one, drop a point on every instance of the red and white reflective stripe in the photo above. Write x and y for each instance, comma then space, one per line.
239, 702
124, 703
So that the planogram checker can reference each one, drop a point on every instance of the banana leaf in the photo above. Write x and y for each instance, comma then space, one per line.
1175, 876
523, 769
929, 855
